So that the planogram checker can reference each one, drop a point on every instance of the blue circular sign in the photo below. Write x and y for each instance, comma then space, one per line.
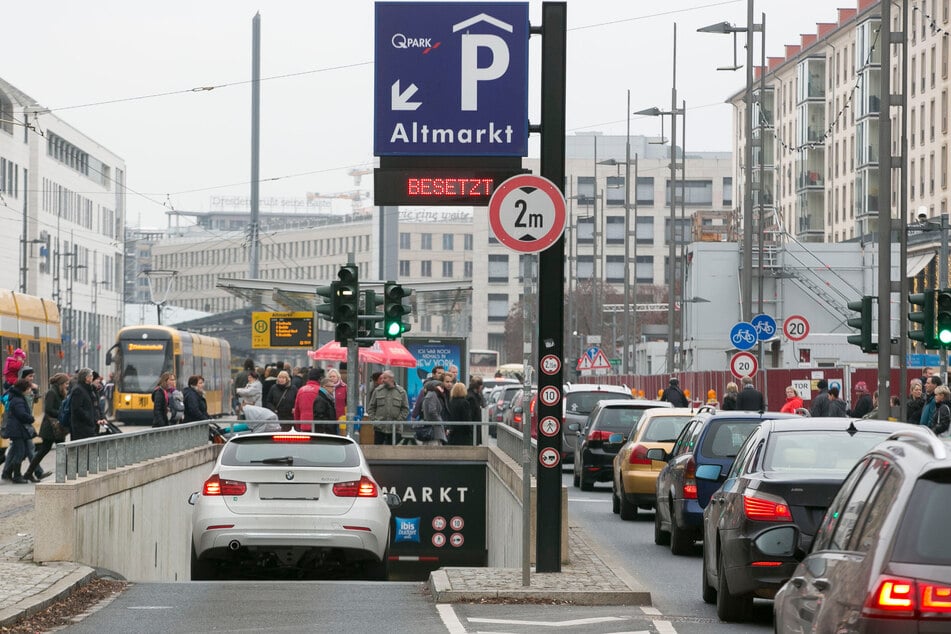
743, 335
765, 326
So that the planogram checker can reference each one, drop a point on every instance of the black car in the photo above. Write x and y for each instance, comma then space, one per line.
786, 473
881, 561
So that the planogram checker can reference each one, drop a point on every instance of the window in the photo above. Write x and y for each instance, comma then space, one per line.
858, 496
584, 267
467, 269
6, 114
644, 269
615, 230
498, 268
404, 241
467, 242
426, 268
694, 192
426, 241
682, 230
645, 190
614, 269
447, 268
585, 230
498, 306
615, 192
727, 191
586, 191
447, 241
644, 231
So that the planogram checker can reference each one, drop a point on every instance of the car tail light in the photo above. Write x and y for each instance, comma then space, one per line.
362, 488
216, 486
284, 438
766, 508
897, 597
596, 435
639, 455
690, 480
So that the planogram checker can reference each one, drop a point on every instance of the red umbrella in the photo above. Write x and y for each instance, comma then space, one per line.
389, 353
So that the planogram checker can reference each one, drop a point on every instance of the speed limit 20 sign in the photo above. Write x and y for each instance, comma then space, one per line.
796, 327
743, 364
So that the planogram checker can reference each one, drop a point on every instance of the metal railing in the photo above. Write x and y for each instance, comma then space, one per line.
79, 458
402, 432
512, 443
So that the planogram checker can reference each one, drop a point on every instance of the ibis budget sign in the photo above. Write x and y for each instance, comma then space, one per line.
451, 79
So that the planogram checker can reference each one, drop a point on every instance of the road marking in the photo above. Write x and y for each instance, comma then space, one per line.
149, 607
650, 610
664, 627
572, 623
450, 619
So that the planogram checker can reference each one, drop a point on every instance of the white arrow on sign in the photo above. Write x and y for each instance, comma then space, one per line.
401, 100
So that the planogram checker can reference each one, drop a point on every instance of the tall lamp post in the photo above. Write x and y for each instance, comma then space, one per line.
746, 298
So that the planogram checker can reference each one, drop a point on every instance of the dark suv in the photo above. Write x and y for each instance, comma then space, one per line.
711, 438
880, 561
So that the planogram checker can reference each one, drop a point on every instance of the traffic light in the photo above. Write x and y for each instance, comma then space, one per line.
371, 322
394, 310
863, 322
925, 316
328, 296
943, 318
346, 304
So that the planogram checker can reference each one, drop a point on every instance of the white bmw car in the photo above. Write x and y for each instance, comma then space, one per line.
304, 501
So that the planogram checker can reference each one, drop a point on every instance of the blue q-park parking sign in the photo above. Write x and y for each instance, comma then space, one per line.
451, 79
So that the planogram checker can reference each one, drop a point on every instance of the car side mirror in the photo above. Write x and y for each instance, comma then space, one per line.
615, 438
657, 454
574, 426
708, 472
193, 498
393, 500
780, 541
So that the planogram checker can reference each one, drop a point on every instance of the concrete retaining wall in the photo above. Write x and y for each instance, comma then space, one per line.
135, 520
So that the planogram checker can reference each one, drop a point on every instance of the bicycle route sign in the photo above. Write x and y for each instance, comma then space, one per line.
765, 326
743, 364
743, 335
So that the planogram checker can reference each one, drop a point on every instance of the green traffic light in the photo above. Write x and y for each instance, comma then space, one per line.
393, 329
944, 336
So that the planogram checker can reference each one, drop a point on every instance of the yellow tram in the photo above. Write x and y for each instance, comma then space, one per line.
142, 353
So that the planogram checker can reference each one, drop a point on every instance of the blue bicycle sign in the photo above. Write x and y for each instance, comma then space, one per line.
743, 335
765, 326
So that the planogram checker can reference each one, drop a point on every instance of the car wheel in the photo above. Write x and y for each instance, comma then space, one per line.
681, 540
709, 592
585, 485
628, 511
661, 537
201, 569
378, 570
615, 500
730, 608
577, 479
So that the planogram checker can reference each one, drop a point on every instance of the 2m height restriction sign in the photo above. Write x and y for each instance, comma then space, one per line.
527, 213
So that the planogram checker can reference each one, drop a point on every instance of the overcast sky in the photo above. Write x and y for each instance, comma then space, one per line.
185, 147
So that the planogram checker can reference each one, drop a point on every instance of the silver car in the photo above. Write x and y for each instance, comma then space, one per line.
304, 501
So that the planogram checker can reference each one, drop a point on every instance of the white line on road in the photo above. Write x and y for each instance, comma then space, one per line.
572, 623
449, 619
649, 610
664, 627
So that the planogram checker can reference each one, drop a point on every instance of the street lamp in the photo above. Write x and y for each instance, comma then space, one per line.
672, 253
726, 28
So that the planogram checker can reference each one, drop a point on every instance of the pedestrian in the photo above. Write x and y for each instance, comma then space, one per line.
434, 413
240, 382
161, 395
50, 430
251, 393
82, 411
375, 380
388, 402
459, 412
304, 401
339, 393
674, 395
837, 407
476, 403
793, 401
196, 407
729, 398
941, 419
270, 380
820, 404
750, 399
18, 428
176, 407
915, 402
29, 374
298, 378
11, 368
863, 404
324, 408
927, 412
281, 396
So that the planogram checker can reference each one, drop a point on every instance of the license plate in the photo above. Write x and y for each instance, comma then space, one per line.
289, 491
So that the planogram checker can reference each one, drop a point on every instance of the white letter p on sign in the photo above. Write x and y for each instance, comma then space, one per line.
471, 74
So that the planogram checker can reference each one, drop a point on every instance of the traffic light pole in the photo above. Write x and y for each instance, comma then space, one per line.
353, 383
943, 283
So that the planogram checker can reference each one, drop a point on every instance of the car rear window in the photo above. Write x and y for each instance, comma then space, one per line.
810, 451
584, 402
619, 420
922, 536
664, 428
725, 437
277, 450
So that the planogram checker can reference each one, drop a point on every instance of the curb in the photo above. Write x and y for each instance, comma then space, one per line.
29, 606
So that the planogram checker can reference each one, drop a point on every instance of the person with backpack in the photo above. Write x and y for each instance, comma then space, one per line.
82, 411
18, 428
51, 431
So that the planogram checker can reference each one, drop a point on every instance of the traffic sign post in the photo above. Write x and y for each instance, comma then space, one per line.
527, 213
764, 325
743, 364
796, 328
743, 335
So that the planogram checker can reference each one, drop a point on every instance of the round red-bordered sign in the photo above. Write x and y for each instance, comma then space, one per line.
743, 364
549, 426
549, 457
550, 395
456, 540
550, 364
439, 540
527, 213
439, 523
796, 328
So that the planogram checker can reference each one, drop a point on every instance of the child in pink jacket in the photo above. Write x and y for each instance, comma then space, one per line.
11, 369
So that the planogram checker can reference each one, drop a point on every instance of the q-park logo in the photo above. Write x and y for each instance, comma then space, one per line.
399, 40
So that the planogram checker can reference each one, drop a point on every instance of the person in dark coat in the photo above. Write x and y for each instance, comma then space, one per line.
49, 432
459, 411
915, 403
161, 415
281, 396
837, 407
729, 399
750, 399
196, 407
82, 412
674, 395
324, 407
863, 405
18, 427
476, 403
820, 404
